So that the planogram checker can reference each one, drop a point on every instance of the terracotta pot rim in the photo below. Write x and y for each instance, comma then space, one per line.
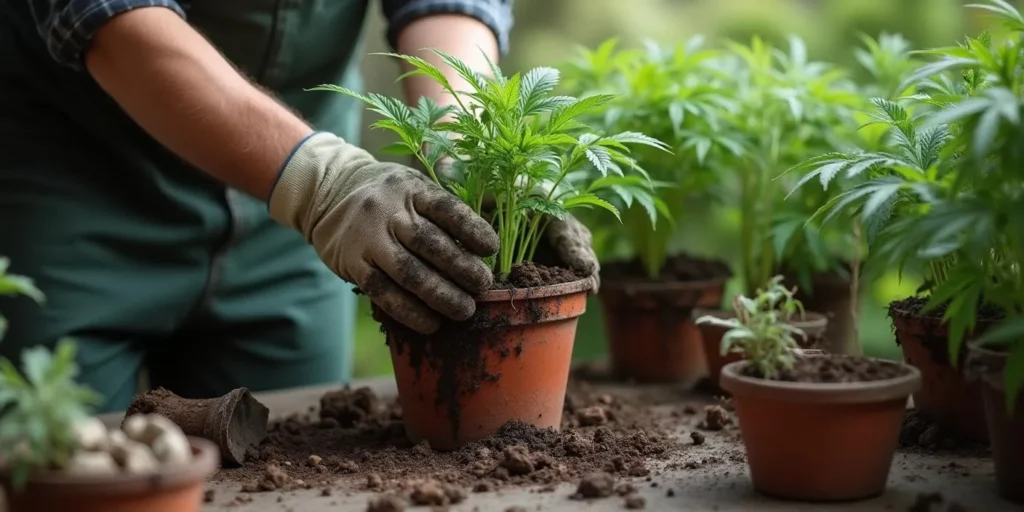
205, 461
986, 365
822, 393
644, 285
812, 319
537, 292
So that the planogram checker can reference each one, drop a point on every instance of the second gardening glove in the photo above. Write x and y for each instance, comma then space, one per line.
413, 248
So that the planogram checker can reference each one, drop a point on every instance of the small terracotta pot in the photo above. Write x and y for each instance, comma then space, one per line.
830, 296
651, 334
520, 372
813, 325
819, 442
177, 489
945, 397
1005, 430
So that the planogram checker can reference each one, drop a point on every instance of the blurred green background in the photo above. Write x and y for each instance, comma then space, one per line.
547, 32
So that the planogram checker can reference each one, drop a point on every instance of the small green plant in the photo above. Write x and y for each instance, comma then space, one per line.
513, 140
39, 411
12, 284
761, 330
947, 194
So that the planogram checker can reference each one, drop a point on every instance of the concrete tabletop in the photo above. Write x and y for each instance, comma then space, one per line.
967, 481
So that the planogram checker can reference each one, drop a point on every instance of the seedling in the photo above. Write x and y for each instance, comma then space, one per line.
761, 330
513, 140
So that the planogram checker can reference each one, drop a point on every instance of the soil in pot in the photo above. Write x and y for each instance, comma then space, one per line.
510, 361
825, 430
172, 489
1005, 428
235, 421
651, 334
830, 296
945, 397
813, 324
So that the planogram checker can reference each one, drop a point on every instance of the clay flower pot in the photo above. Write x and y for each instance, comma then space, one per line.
1006, 431
651, 333
509, 362
819, 441
830, 296
172, 489
813, 324
945, 397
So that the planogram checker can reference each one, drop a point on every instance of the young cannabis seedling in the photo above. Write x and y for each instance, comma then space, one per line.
39, 411
510, 139
761, 330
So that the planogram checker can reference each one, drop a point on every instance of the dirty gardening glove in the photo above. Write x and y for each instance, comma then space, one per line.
569, 243
387, 228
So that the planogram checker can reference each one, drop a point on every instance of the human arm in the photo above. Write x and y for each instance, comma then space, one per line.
375, 224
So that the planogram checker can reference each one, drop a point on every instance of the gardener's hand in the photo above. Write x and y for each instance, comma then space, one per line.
569, 243
410, 246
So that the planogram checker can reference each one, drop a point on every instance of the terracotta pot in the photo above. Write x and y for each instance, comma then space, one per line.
1006, 430
819, 442
830, 296
945, 397
177, 489
516, 367
813, 324
651, 334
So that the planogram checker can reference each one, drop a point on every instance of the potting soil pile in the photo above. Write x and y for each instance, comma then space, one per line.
356, 442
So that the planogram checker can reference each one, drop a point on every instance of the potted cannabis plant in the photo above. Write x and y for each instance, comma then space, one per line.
650, 290
55, 456
939, 200
819, 427
516, 145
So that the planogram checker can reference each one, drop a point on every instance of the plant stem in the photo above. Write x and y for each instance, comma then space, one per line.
855, 287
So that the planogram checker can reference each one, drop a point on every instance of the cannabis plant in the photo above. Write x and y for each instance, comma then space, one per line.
761, 330
948, 194
790, 108
678, 96
39, 410
510, 138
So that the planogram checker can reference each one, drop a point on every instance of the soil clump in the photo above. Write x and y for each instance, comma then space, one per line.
368, 450
920, 434
835, 368
934, 502
679, 267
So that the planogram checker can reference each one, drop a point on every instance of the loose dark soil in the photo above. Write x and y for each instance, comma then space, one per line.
934, 502
680, 267
922, 435
935, 341
360, 439
455, 350
836, 369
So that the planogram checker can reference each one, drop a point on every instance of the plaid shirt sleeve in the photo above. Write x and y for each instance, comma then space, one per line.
68, 26
496, 14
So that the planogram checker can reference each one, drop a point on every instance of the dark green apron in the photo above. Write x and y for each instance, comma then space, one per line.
148, 262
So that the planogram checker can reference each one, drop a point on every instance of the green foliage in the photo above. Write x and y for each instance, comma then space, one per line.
678, 96
946, 194
512, 139
761, 330
11, 284
39, 411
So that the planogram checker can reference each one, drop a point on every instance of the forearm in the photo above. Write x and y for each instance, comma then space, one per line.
461, 36
179, 89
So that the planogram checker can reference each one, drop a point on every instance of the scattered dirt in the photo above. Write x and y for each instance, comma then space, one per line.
358, 441
454, 351
697, 437
934, 502
389, 503
836, 368
680, 267
920, 434
715, 418
595, 485
635, 502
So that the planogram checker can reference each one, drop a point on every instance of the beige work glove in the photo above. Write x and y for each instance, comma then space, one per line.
413, 248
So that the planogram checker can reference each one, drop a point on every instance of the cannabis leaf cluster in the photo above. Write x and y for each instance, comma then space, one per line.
511, 139
761, 330
945, 195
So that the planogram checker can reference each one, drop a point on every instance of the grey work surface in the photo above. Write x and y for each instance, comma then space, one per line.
968, 481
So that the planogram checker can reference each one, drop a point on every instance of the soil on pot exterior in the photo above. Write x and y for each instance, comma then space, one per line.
455, 349
360, 439
937, 344
835, 369
679, 267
